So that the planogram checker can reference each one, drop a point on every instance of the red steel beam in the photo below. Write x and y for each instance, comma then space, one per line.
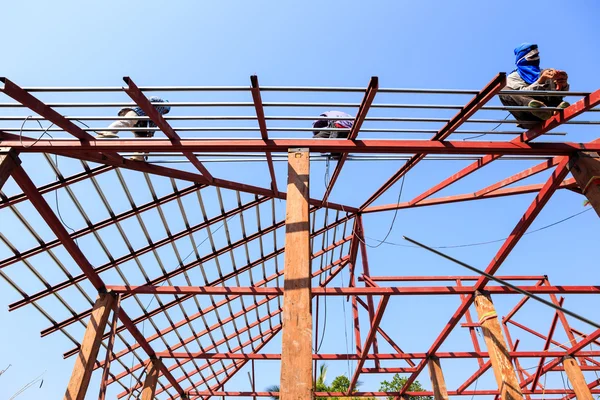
350, 291
368, 341
22, 96
262, 124
40, 204
237, 367
574, 110
525, 189
485, 95
524, 223
426, 278
554, 342
520, 176
132, 255
588, 102
370, 146
142, 101
184, 175
385, 335
538, 372
363, 110
381, 356
97, 226
424, 393
222, 322
71, 247
366, 271
13, 200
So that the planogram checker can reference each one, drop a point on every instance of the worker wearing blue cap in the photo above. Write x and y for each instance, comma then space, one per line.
132, 112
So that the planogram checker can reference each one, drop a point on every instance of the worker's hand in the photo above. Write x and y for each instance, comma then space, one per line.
560, 80
547, 74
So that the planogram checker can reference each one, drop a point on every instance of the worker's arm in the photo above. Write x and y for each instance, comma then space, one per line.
515, 82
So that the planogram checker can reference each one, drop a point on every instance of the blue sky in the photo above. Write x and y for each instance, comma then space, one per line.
460, 45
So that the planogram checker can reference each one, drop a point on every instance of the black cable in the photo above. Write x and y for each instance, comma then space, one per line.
39, 138
393, 219
488, 242
493, 129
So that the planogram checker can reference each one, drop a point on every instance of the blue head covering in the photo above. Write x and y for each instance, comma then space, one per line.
529, 70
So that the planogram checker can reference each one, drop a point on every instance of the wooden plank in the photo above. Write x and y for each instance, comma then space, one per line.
296, 352
437, 379
152, 373
506, 378
8, 160
109, 349
84, 364
582, 391
585, 168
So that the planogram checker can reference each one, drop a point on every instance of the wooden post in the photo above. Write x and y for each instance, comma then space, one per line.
8, 160
437, 379
504, 372
582, 391
152, 372
296, 351
585, 168
84, 364
109, 348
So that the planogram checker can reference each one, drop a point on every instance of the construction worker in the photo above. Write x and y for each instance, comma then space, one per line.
528, 76
133, 123
330, 123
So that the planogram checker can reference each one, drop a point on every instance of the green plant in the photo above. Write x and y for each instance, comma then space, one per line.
398, 382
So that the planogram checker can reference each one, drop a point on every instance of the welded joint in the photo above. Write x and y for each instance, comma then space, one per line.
12, 153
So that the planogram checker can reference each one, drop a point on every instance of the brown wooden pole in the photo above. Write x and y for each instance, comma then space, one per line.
296, 349
508, 385
152, 372
109, 348
8, 160
585, 168
582, 391
437, 379
84, 364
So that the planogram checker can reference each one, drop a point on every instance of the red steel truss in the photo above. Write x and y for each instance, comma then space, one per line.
211, 312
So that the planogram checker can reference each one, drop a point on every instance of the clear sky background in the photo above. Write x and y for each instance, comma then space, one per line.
420, 44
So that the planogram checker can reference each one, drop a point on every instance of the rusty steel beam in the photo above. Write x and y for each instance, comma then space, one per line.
142, 101
485, 95
95, 227
351, 291
579, 107
22, 96
368, 342
517, 233
370, 146
363, 109
525, 189
51, 219
132, 255
207, 310
262, 124
49, 187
